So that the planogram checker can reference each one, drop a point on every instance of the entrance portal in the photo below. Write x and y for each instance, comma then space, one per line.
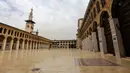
121, 10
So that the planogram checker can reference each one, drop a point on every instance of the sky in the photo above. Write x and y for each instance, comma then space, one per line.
55, 19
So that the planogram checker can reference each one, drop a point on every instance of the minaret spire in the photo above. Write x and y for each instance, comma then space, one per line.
31, 14
30, 23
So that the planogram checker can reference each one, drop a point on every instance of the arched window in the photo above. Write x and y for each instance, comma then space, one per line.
98, 7
18, 34
12, 32
1, 30
5, 31
9, 32
15, 33
103, 2
23, 35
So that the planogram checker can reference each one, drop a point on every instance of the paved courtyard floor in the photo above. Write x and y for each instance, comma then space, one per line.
60, 61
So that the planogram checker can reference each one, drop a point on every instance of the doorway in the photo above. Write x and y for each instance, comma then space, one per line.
121, 10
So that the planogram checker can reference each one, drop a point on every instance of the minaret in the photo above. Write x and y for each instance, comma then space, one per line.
30, 23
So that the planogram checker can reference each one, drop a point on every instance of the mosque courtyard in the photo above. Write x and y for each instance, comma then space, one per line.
60, 61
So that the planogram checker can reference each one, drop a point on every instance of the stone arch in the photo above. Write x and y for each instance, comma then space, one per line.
104, 23
32, 44
20, 43
121, 10
29, 43
1, 41
37, 45
8, 42
14, 44
25, 46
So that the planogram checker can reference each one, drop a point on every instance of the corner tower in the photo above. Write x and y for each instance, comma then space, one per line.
30, 23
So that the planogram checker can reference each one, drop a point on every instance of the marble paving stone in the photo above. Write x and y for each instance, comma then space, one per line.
58, 61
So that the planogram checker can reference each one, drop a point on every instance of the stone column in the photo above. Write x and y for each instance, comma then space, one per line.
91, 44
78, 43
40, 45
88, 43
33, 45
94, 41
4, 43
116, 36
102, 40
23, 43
30, 45
36, 45
11, 44
17, 44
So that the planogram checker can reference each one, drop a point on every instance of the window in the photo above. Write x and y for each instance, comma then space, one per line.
5, 30
31, 27
15, 33
103, 2
9, 32
12, 32
18, 34
23, 35
98, 7
1, 30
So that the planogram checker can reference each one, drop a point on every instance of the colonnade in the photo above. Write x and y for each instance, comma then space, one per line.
95, 40
21, 44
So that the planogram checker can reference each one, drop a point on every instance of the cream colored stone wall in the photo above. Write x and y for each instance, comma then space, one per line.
88, 41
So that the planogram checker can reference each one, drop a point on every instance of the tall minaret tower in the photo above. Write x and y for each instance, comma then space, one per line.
30, 23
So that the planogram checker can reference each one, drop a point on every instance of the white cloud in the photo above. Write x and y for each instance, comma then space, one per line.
55, 19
